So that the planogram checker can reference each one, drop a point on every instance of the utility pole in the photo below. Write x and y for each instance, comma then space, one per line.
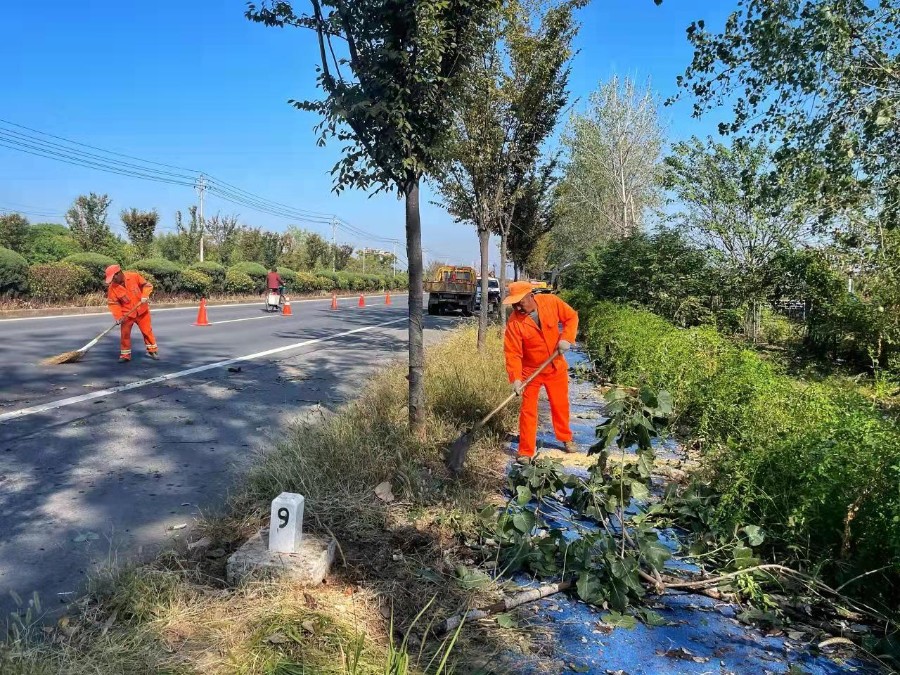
364, 261
333, 244
201, 188
394, 259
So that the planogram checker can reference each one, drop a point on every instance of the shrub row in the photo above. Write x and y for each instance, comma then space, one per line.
816, 464
84, 273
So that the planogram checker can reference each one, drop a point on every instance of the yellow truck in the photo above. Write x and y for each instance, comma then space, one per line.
451, 288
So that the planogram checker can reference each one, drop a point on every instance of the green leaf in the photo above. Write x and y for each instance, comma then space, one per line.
754, 534
639, 490
618, 594
590, 588
743, 558
506, 621
651, 618
524, 521
523, 495
619, 620
655, 553
665, 404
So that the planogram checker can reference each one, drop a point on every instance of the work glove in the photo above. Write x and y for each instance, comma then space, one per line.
564, 346
145, 301
518, 387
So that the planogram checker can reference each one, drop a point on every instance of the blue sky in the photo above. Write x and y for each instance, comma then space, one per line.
194, 84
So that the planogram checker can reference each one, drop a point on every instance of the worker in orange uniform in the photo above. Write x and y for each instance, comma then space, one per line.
532, 335
125, 291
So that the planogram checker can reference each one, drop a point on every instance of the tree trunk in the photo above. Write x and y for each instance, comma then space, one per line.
416, 346
484, 243
503, 243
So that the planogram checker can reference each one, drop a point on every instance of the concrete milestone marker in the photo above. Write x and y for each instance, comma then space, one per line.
286, 523
283, 551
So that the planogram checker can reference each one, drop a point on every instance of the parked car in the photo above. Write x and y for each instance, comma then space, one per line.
493, 294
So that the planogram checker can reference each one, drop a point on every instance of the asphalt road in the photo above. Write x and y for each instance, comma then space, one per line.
99, 461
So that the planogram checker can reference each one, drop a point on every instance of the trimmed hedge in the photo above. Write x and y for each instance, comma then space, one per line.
197, 283
289, 277
255, 271
167, 273
58, 281
95, 264
214, 271
13, 272
238, 282
793, 457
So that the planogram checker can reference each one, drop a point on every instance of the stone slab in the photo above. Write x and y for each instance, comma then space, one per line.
254, 561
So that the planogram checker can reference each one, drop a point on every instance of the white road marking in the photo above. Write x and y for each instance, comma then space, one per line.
249, 318
72, 400
91, 315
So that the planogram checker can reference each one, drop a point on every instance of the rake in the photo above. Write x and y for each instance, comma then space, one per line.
78, 354
456, 453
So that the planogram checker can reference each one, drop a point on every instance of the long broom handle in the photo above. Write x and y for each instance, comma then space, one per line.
119, 321
528, 381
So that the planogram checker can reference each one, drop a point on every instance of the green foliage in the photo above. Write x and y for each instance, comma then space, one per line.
196, 283
48, 242
304, 282
255, 271
289, 277
141, 227
214, 271
95, 264
167, 273
13, 273
605, 565
239, 283
814, 464
86, 219
13, 232
661, 271
58, 281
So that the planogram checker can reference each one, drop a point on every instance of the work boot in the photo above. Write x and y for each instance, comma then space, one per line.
570, 447
153, 355
524, 460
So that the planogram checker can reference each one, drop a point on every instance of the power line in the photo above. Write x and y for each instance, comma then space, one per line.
70, 152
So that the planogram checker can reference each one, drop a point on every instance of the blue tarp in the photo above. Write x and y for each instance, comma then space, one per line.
703, 635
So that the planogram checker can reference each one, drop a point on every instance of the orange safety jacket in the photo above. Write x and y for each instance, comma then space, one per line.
121, 298
526, 346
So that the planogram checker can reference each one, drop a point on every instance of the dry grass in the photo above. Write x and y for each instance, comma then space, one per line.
176, 615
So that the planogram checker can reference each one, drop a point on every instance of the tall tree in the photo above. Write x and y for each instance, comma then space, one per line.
223, 232
820, 79
86, 219
724, 199
188, 236
514, 96
13, 231
533, 216
141, 228
391, 72
613, 172
319, 252
341, 256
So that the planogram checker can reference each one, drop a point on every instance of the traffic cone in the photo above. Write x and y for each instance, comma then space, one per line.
201, 314
334, 301
387, 298
286, 310
362, 300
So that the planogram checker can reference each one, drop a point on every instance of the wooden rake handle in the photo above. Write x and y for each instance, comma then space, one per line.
487, 418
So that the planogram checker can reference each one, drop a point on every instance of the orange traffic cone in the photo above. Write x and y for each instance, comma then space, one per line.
387, 298
334, 301
286, 310
201, 314
362, 300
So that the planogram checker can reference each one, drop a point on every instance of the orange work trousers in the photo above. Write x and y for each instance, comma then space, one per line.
143, 323
557, 386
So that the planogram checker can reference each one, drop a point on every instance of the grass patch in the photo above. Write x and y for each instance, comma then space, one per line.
176, 615
816, 464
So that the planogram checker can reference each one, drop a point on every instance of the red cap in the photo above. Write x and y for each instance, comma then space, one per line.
111, 271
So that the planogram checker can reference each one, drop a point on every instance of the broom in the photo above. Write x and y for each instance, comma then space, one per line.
78, 354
